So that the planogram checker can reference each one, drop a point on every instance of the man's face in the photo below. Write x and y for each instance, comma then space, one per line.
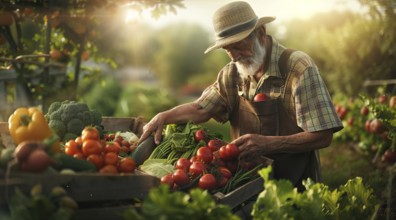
241, 50
247, 54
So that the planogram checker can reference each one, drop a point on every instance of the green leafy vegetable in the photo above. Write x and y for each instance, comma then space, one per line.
163, 204
280, 200
157, 167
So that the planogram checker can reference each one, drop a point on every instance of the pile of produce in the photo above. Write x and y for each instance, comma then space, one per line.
103, 153
37, 145
190, 156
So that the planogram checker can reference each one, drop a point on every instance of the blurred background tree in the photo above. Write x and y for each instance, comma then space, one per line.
349, 47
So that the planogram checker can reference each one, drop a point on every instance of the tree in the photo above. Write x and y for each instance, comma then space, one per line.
66, 32
348, 47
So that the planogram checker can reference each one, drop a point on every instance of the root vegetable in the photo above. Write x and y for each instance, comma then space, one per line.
24, 149
37, 161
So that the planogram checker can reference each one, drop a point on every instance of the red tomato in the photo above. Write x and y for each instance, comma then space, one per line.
124, 149
183, 163
194, 159
215, 144
207, 181
112, 146
259, 97
377, 127
110, 158
126, 165
90, 133
197, 168
79, 141
71, 148
97, 160
389, 156
232, 150
119, 139
229, 152
223, 181
367, 125
90, 147
225, 172
364, 111
180, 177
125, 143
168, 180
109, 168
223, 153
205, 155
199, 135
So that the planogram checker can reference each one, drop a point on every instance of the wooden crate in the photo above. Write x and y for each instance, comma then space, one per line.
133, 124
100, 196
241, 194
83, 187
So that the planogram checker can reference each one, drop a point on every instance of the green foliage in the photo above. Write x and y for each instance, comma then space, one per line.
143, 100
103, 95
179, 55
164, 204
280, 200
40, 206
349, 47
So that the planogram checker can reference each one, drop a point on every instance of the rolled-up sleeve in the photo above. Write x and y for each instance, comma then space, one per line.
314, 108
212, 101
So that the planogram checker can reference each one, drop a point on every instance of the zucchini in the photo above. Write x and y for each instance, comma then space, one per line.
64, 161
143, 150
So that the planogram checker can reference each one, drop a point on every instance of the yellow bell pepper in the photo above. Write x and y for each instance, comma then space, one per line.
28, 124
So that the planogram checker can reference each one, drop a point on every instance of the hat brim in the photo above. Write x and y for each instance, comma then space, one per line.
222, 42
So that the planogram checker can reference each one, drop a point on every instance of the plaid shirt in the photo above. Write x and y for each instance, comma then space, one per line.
308, 101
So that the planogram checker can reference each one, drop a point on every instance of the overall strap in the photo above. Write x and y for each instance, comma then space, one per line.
283, 61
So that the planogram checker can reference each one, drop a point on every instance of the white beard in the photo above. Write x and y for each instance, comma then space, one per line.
248, 66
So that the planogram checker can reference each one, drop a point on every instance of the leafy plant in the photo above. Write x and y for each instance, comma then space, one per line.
280, 200
39, 206
163, 204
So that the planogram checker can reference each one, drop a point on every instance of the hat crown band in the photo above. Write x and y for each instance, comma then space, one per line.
237, 29
233, 15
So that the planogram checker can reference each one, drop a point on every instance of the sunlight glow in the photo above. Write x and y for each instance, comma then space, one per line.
131, 16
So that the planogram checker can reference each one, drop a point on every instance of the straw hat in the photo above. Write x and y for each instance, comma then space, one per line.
234, 22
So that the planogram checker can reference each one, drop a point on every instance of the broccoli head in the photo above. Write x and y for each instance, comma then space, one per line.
58, 127
69, 136
75, 126
53, 107
71, 117
96, 117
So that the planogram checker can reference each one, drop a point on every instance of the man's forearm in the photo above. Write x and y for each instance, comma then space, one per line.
185, 113
302, 142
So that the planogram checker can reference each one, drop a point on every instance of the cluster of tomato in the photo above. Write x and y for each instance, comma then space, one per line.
358, 117
211, 167
103, 153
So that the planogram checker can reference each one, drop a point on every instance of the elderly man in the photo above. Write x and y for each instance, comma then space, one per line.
296, 120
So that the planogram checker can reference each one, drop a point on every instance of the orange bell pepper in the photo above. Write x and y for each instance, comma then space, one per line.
28, 124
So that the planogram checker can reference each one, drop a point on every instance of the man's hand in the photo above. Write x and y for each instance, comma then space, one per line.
252, 146
155, 125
